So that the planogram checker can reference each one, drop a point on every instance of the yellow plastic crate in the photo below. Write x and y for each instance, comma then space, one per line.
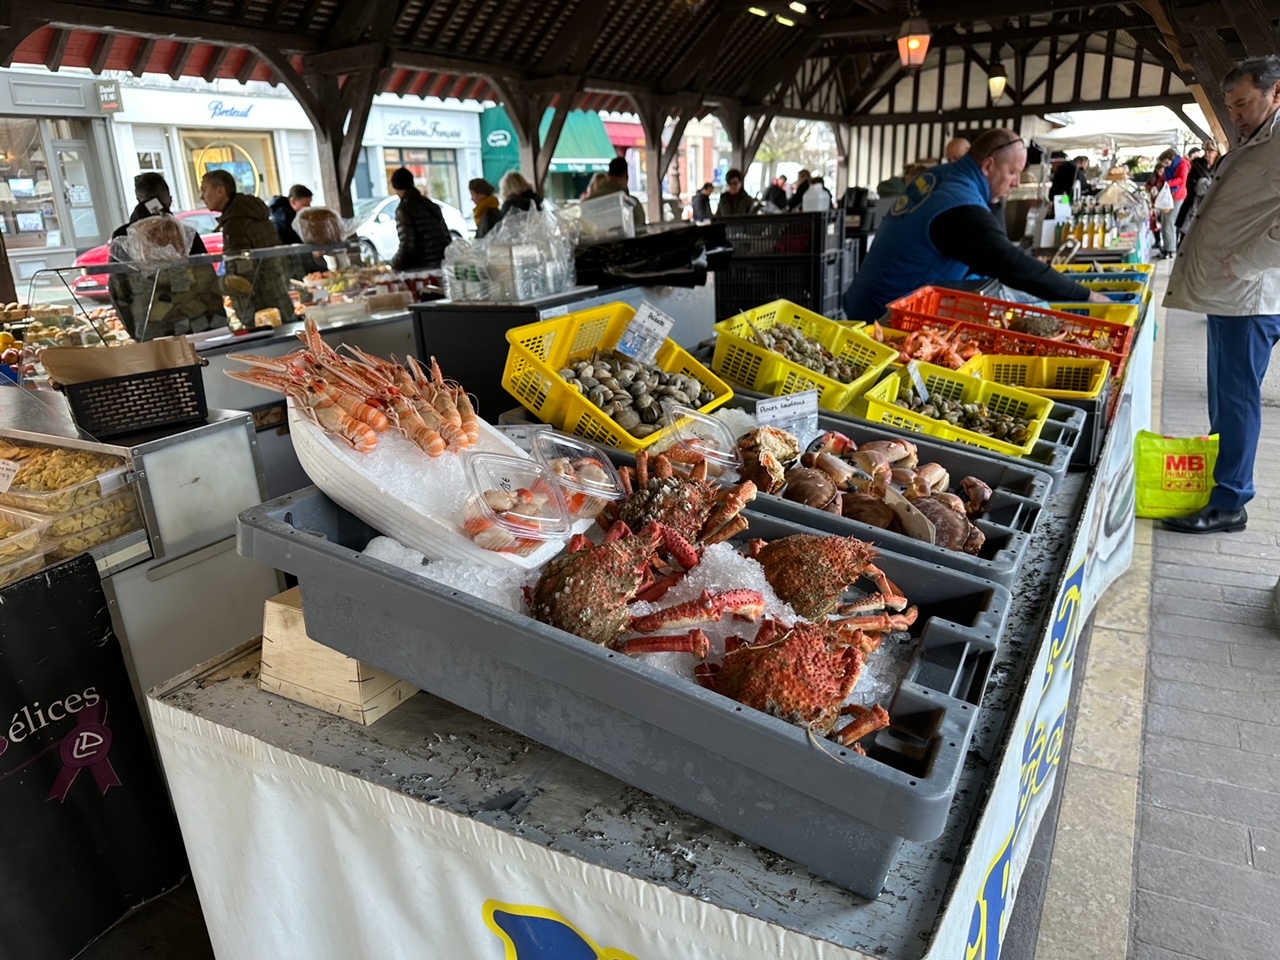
1126, 313
539, 350
1070, 378
941, 382
740, 359
891, 336
1147, 268
1116, 286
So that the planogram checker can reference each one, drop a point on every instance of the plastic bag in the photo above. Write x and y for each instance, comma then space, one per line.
529, 254
1164, 200
161, 238
1174, 474
318, 226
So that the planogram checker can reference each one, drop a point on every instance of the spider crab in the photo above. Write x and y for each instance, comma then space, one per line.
812, 572
800, 674
587, 589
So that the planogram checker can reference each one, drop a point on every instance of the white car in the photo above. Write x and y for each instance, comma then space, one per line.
376, 226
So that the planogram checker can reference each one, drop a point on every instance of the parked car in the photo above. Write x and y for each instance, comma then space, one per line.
95, 284
376, 226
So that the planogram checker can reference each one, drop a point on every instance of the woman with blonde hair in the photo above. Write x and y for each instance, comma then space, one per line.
517, 192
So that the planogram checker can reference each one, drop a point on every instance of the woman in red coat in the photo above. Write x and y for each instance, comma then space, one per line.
1173, 170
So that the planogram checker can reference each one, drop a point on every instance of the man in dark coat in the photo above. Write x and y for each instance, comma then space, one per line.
701, 204
284, 209
253, 285
420, 226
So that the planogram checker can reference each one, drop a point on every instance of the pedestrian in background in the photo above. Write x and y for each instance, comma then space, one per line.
1173, 172
485, 205
517, 193
701, 204
246, 225
1229, 270
797, 193
955, 149
776, 195
285, 209
419, 225
735, 201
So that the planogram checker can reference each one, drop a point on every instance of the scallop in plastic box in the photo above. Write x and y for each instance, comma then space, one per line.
514, 506
588, 479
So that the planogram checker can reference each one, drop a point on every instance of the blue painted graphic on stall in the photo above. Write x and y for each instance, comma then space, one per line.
536, 933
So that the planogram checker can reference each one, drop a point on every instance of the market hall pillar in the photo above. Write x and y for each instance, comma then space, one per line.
658, 156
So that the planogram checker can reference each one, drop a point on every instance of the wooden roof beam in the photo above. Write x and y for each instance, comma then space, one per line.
154, 27
948, 16
57, 49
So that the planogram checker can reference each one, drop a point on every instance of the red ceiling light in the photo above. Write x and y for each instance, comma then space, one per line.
913, 42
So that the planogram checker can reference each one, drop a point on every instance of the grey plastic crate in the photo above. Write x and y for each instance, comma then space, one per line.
748, 772
1019, 493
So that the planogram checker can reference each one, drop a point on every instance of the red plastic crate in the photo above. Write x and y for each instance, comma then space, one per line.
985, 321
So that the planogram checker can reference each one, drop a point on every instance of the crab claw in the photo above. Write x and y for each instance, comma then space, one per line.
977, 494
936, 475
708, 608
694, 642
895, 451
833, 442
865, 721
658, 589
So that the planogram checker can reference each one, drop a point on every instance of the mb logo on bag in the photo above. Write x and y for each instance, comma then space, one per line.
1185, 473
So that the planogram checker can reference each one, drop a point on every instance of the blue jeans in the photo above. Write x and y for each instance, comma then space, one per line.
1239, 350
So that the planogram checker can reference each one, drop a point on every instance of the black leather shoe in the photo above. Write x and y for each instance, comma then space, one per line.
1209, 520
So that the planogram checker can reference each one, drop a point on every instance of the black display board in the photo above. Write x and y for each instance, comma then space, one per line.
86, 829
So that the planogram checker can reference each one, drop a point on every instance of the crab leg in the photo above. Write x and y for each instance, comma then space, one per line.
708, 608
865, 721
883, 622
694, 642
728, 505
727, 532
658, 589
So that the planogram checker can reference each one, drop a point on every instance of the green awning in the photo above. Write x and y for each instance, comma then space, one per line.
583, 147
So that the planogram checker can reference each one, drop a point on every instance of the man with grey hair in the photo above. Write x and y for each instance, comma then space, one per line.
1229, 270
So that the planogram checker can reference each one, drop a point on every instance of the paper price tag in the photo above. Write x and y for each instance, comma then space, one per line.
797, 413
8, 470
915, 523
110, 482
521, 434
913, 371
645, 334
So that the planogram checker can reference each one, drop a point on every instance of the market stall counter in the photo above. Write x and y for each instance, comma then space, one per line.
513, 843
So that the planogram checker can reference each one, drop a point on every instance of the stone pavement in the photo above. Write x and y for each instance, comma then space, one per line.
1168, 846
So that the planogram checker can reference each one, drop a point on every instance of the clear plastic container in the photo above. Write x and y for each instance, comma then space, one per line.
699, 435
515, 504
98, 512
40, 487
61, 548
588, 479
11, 570
20, 535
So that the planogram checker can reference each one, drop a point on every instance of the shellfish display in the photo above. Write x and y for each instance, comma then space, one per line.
632, 393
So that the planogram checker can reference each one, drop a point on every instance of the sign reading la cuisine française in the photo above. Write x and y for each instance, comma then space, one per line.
422, 130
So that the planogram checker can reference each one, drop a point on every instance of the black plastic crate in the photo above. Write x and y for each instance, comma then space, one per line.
808, 281
849, 266
1089, 450
139, 401
785, 234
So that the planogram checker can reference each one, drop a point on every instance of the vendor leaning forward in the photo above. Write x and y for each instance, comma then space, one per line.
941, 230
1229, 268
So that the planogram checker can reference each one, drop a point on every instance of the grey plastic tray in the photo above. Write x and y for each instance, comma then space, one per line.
1019, 494
750, 773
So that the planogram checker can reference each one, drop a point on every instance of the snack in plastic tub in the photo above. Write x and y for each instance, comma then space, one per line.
588, 479
11, 570
61, 548
19, 535
58, 480
515, 504
318, 226
100, 511
701, 436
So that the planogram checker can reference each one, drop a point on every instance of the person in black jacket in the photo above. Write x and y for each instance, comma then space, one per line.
701, 204
797, 195
420, 226
284, 209
777, 192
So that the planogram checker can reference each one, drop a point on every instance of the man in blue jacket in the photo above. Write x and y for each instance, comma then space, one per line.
941, 230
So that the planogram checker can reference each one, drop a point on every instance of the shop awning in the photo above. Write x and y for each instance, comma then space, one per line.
583, 147
623, 135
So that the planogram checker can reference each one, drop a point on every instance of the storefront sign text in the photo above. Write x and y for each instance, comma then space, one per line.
498, 138
425, 130
219, 110
108, 95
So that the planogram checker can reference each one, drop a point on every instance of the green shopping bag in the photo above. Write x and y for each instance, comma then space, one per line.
1174, 474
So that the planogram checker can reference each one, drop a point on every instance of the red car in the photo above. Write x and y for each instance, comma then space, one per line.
95, 284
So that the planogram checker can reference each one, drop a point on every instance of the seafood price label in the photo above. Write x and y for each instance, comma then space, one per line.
796, 413
645, 334
521, 434
913, 371
8, 470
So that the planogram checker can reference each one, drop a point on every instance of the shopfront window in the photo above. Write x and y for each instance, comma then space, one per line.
28, 214
151, 161
435, 171
249, 157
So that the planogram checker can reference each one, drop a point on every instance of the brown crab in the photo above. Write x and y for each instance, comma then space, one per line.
695, 512
812, 573
952, 528
765, 453
799, 674
976, 494
586, 591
